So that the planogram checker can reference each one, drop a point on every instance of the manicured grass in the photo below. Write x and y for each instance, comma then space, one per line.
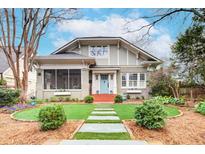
171, 111
102, 136
103, 121
72, 111
126, 111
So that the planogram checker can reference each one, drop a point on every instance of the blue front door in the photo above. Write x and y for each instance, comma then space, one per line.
104, 84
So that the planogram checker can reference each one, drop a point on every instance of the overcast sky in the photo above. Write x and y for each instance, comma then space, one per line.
112, 22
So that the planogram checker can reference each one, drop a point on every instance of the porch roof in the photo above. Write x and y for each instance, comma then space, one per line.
66, 57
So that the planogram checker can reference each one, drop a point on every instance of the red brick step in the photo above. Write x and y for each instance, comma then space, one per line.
104, 98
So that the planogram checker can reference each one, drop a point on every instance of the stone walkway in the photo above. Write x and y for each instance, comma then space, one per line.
105, 122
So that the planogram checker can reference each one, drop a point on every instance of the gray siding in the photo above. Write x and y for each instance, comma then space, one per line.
123, 56
131, 58
113, 55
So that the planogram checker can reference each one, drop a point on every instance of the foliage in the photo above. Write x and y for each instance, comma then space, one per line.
3, 82
118, 99
9, 97
128, 96
89, 99
54, 99
201, 107
63, 99
189, 54
168, 100
162, 83
150, 115
37, 100
52, 117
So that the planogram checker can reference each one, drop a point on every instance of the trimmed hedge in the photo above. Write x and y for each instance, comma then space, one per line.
150, 115
118, 99
9, 97
52, 117
201, 107
89, 99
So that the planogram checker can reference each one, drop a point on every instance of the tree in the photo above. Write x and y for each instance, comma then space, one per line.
189, 53
21, 31
160, 15
162, 83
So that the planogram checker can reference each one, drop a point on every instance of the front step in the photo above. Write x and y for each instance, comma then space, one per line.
104, 97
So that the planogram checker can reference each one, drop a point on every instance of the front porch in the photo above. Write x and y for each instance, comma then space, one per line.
104, 81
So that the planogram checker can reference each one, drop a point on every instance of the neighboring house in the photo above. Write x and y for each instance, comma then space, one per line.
6, 73
94, 65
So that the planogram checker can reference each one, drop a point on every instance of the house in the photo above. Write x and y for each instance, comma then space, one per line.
93, 66
7, 74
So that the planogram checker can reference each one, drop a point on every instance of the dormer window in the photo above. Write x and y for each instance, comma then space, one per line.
98, 51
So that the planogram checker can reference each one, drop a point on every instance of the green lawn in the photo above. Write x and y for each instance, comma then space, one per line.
102, 136
126, 111
82, 111
73, 111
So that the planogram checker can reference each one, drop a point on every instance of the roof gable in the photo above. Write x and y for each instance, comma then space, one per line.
120, 40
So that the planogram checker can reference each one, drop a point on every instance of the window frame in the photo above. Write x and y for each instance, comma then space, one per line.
127, 75
43, 80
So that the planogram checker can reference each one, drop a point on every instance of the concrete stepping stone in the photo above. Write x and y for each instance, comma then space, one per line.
103, 118
103, 128
103, 112
103, 109
103, 142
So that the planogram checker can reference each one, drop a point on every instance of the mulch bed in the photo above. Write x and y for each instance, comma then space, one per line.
17, 132
187, 129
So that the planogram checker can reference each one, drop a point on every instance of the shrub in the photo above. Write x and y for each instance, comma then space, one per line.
54, 99
67, 98
9, 97
52, 117
118, 99
89, 99
150, 115
128, 96
37, 100
201, 107
3, 82
168, 100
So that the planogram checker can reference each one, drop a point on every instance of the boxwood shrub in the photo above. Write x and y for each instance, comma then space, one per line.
201, 107
89, 99
52, 117
150, 115
9, 97
118, 99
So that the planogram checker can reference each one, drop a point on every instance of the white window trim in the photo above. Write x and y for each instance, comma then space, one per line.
138, 81
99, 57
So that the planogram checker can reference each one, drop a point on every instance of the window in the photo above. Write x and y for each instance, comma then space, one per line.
98, 51
62, 79
49, 79
132, 80
142, 80
124, 80
75, 79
